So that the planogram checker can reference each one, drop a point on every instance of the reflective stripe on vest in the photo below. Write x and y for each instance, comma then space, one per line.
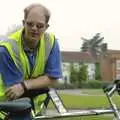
14, 51
2, 89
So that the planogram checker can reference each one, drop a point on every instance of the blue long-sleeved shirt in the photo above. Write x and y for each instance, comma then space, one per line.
12, 75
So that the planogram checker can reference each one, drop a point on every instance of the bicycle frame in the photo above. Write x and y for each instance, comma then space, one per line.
62, 112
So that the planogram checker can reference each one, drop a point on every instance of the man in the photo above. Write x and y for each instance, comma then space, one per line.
29, 58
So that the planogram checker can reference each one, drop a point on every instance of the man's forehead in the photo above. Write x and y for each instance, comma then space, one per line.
37, 9
36, 14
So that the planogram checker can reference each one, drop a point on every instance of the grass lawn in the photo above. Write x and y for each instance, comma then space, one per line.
94, 99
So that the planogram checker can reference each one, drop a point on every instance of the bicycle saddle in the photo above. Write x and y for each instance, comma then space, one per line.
18, 105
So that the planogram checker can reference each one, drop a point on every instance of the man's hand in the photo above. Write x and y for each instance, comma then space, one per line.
14, 91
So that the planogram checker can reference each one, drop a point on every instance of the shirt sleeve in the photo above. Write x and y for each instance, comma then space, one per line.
10, 74
53, 65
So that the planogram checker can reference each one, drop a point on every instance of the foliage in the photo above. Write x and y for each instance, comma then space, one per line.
94, 84
61, 86
91, 84
78, 76
97, 71
85, 84
92, 45
73, 74
82, 73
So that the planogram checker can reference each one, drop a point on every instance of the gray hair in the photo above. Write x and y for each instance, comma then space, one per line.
45, 10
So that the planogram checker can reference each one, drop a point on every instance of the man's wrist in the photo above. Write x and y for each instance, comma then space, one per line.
24, 86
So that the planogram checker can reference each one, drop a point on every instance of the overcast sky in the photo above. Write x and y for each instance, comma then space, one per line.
71, 20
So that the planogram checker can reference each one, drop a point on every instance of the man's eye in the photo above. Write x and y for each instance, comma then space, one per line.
30, 24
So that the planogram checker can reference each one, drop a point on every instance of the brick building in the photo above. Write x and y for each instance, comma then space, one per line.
76, 58
110, 65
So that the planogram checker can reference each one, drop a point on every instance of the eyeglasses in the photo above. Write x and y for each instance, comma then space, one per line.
38, 25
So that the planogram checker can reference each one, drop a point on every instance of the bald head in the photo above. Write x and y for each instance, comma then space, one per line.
38, 9
36, 18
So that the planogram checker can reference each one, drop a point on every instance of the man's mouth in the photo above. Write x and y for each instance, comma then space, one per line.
34, 34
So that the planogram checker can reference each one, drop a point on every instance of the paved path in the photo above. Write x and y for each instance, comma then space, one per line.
71, 92
76, 92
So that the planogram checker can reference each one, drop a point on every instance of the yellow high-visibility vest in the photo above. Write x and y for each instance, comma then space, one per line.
14, 44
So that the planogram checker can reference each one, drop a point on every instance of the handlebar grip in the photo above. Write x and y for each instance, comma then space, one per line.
117, 82
35, 92
107, 88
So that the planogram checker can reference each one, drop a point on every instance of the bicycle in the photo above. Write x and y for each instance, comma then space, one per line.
24, 104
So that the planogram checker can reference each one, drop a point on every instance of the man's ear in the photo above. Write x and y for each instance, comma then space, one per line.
23, 22
47, 26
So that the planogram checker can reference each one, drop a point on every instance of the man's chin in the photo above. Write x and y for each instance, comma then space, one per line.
34, 38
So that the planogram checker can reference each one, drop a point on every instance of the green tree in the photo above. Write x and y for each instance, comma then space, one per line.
73, 74
82, 73
92, 45
78, 76
97, 71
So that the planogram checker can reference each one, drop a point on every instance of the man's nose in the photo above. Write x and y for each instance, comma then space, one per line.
34, 27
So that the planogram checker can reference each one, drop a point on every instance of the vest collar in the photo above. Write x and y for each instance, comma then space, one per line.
25, 46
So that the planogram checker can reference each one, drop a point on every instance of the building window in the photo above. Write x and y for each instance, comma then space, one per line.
118, 64
92, 67
118, 76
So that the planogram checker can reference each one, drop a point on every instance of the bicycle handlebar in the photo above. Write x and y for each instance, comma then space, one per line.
109, 91
111, 88
34, 92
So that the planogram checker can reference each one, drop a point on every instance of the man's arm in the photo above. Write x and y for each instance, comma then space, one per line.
10, 74
40, 82
52, 71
